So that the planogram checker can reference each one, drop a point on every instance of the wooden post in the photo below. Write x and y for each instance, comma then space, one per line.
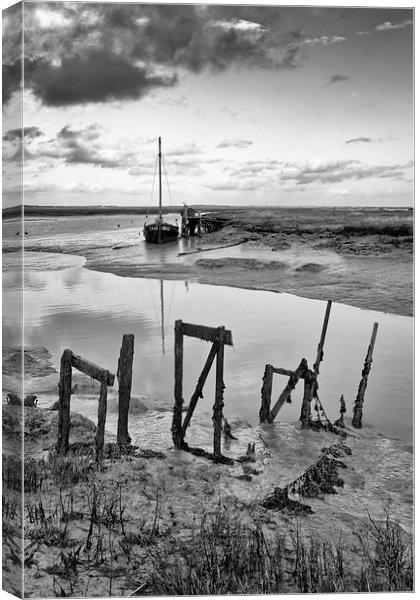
218, 403
64, 393
291, 384
358, 405
305, 413
124, 374
199, 223
100, 432
320, 350
177, 415
199, 388
266, 393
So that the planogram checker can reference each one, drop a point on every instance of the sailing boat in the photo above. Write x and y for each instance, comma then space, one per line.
160, 232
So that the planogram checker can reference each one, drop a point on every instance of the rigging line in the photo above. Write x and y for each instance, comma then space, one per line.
166, 178
153, 187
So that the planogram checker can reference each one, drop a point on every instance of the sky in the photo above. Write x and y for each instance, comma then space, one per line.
262, 105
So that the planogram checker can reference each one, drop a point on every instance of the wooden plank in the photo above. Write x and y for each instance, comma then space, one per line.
266, 393
202, 332
102, 407
218, 403
90, 369
291, 384
64, 395
199, 387
281, 371
360, 398
124, 375
177, 414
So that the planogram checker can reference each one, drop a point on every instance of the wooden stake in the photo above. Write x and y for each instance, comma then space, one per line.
218, 403
100, 432
199, 388
358, 405
64, 394
177, 435
124, 374
291, 384
320, 350
266, 393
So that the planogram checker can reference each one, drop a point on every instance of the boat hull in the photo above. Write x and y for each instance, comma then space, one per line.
168, 233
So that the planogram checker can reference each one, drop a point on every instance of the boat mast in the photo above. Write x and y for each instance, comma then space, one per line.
160, 191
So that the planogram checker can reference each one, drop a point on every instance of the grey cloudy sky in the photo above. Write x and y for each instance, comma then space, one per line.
263, 105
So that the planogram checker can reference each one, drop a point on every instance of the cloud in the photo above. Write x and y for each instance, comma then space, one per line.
16, 134
387, 26
360, 140
235, 143
325, 40
338, 78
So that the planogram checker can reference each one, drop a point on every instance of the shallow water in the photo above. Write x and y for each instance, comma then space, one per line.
89, 312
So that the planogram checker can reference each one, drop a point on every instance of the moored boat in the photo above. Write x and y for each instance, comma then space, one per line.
160, 232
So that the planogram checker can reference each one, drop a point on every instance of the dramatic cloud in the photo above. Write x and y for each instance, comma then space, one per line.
235, 144
80, 53
387, 26
338, 78
360, 140
94, 77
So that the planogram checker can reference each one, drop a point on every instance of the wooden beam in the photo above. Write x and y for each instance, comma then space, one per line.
90, 369
209, 334
199, 387
64, 394
291, 384
124, 375
266, 393
218, 402
177, 435
358, 405
102, 407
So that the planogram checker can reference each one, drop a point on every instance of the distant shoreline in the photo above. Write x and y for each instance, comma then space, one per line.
70, 211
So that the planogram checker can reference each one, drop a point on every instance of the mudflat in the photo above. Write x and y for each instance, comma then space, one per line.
360, 257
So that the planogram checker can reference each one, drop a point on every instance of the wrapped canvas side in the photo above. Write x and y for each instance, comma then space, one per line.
13, 363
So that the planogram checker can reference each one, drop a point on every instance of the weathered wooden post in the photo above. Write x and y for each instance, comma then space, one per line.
124, 374
305, 413
218, 403
358, 405
64, 393
177, 414
340, 422
266, 393
102, 407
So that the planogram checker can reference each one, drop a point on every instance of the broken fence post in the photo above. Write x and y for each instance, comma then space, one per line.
218, 403
64, 393
291, 384
358, 405
266, 393
102, 407
312, 376
124, 374
177, 415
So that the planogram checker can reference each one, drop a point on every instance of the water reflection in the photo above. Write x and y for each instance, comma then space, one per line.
89, 312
